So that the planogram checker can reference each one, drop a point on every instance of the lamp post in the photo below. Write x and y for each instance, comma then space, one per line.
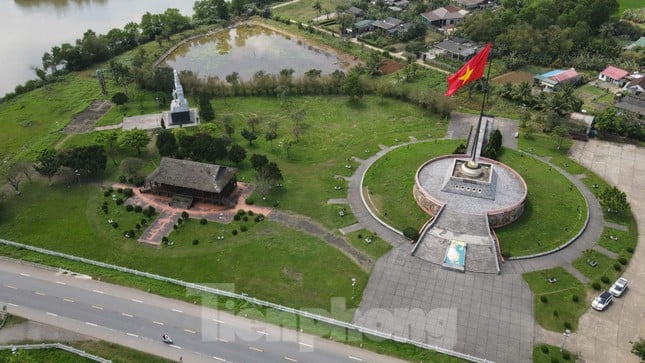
353, 286
566, 334
78, 176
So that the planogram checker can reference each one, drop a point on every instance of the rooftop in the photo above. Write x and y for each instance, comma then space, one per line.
193, 175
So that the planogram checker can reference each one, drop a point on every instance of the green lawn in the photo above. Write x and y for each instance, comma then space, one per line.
369, 243
303, 10
626, 241
604, 267
545, 353
629, 4
560, 307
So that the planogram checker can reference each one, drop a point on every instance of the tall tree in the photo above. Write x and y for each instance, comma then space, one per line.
249, 136
134, 139
614, 200
47, 164
206, 112
560, 133
109, 140
166, 143
88, 160
236, 154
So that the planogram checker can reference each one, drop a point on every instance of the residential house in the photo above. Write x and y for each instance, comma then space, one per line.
633, 104
636, 86
391, 26
614, 75
580, 125
639, 43
471, 4
362, 26
355, 12
554, 79
462, 49
444, 18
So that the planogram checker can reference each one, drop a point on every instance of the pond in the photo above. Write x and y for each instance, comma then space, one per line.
247, 49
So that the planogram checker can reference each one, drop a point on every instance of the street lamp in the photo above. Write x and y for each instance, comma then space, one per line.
353, 286
78, 176
566, 334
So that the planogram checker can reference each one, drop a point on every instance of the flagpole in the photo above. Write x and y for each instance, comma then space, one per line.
473, 163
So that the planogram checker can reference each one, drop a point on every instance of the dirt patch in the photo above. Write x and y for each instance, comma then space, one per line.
389, 66
83, 122
293, 275
513, 77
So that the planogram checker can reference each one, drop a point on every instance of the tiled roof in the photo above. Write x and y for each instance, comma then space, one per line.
193, 175
615, 73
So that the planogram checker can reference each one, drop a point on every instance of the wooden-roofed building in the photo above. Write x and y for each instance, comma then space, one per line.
185, 180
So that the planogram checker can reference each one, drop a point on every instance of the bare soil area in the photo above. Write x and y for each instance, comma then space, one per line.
389, 66
513, 77
84, 122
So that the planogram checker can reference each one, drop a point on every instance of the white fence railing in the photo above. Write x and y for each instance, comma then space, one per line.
67, 348
252, 300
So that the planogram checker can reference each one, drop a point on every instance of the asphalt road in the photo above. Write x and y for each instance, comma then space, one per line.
137, 319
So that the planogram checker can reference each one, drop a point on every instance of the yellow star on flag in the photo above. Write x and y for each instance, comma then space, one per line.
466, 75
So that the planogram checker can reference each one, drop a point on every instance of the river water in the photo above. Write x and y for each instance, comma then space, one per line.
31, 27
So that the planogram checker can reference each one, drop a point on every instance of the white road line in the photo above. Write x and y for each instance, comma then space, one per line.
136, 300
132, 335
128, 315
39, 293
10, 304
98, 291
290, 359
219, 359
61, 283
90, 324
51, 314
177, 310
176, 346
354, 358
97, 307
190, 331
68, 300
256, 349
11, 287
157, 322
24, 274
306, 345
261, 332
219, 321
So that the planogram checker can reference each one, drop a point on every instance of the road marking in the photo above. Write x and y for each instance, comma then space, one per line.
222, 340
132, 335
136, 300
176, 346
39, 293
90, 324
51, 314
219, 321
24, 274
219, 359
290, 359
177, 310
11, 287
98, 291
68, 300
256, 349
261, 332
10, 304
190, 331
306, 345
128, 315
157, 322
97, 307
354, 358
61, 283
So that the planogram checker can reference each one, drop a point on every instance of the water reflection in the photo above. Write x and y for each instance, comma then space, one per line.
247, 50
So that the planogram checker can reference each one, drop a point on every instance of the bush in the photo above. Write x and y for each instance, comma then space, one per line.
184, 215
360, 236
138, 209
120, 190
129, 208
544, 349
243, 228
143, 221
138, 180
506, 254
237, 217
241, 212
122, 179
174, 226
259, 218
119, 201
127, 192
566, 355
604, 279
575, 298
630, 249
203, 221
617, 266
250, 201
596, 285
115, 225
195, 242
250, 212
245, 218
180, 221
411, 233
107, 193
555, 360
119, 98
544, 299
138, 226
556, 313
622, 260
164, 239
276, 204
234, 232
567, 325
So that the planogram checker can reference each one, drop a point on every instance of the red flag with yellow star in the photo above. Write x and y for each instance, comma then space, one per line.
471, 71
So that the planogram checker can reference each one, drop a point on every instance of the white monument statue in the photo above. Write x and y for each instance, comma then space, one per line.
179, 103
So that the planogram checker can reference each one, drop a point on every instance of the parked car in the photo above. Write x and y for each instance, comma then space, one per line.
618, 287
601, 301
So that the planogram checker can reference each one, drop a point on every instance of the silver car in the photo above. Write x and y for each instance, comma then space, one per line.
601, 301
618, 287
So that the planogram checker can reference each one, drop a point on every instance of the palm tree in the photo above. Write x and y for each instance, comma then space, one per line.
318, 7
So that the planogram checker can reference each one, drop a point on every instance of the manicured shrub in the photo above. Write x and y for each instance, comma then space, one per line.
411, 233
143, 221
138, 180
164, 239
360, 236
120, 190
243, 228
138, 209
241, 212
596, 285
604, 279
107, 193
234, 232
174, 226
544, 299
276, 204
245, 218
630, 249
622, 260
115, 225
567, 325
138, 226
575, 298
122, 179
555, 360
237, 217
128, 192
556, 313
129, 208
259, 218
180, 221
119, 201
184, 215
544, 349
617, 267
195, 242
566, 355
250, 212
250, 201
203, 221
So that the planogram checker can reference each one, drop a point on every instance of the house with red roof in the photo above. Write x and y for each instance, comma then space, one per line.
614, 75
554, 79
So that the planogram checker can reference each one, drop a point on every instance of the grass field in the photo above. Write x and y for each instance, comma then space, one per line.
555, 303
545, 353
304, 11
629, 4
604, 268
